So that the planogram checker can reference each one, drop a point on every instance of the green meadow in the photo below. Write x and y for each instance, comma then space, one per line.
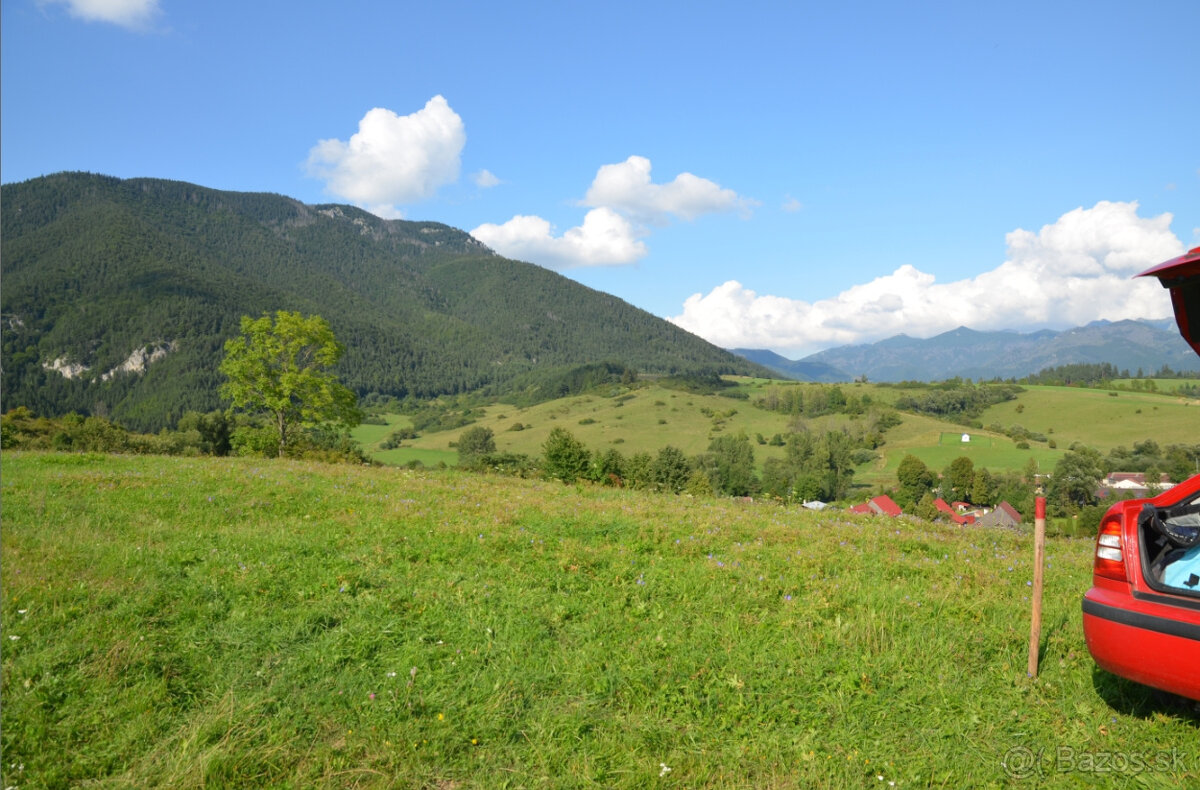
1103, 419
647, 418
173, 622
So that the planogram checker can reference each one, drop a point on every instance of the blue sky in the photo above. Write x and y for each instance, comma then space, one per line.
791, 176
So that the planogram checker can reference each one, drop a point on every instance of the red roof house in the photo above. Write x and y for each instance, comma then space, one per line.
881, 505
955, 516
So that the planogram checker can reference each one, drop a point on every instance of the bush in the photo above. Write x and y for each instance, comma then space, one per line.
475, 444
564, 457
248, 440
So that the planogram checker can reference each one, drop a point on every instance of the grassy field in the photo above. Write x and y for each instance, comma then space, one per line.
233, 622
926, 438
1103, 419
641, 420
1161, 385
649, 418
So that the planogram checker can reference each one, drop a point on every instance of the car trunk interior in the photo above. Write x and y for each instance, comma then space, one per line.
1169, 539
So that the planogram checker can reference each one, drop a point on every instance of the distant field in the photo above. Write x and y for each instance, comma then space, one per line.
649, 418
188, 623
928, 439
1103, 419
1160, 385
645, 419
371, 436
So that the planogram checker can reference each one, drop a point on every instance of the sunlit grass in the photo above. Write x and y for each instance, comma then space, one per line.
1102, 419
175, 622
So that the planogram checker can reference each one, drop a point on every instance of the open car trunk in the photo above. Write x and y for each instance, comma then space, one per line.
1169, 538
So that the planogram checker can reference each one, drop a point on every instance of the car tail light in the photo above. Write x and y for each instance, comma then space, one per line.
1110, 554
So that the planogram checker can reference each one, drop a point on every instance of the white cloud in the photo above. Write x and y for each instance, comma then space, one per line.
1069, 273
791, 205
626, 187
486, 179
392, 158
604, 239
132, 14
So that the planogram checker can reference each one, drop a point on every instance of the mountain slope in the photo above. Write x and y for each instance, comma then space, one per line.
799, 369
98, 270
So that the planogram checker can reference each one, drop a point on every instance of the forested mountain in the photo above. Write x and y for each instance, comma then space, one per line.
118, 296
962, 352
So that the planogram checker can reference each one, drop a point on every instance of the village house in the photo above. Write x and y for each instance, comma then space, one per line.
1003, 515
956, 514
882, 505
1130, 485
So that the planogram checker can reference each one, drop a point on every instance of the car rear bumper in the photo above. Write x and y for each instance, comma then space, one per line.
1142, 642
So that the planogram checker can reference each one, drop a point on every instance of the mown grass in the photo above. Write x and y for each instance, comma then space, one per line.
924, 437
231, 622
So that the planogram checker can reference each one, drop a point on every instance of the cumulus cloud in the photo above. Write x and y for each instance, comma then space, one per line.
626, 187
486, 180
393, 159
604, 239
132, 14
623, 201
1069, 273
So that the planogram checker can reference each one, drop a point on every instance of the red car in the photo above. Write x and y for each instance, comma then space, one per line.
1141, 618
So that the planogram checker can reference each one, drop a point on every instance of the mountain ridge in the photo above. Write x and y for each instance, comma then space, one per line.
98, 268
1147, 345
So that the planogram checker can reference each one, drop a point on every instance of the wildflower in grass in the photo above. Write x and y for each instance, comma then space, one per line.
371, 695
441, 717
663, 769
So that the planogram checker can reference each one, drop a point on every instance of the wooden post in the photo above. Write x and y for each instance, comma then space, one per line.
1039, 560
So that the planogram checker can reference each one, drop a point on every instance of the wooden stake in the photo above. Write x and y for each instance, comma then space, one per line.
1039, 560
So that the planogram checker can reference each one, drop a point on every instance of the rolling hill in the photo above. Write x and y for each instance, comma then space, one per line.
119, 295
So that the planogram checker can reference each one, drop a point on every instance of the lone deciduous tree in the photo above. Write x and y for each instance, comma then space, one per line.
474, 445
279, 366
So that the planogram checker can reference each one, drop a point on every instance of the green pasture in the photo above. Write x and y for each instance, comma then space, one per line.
648, 418
1103, 419
370, 435
1160, 385
932, 442
639, 420
187, 623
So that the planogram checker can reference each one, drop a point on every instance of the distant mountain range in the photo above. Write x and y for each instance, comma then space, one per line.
1127, 345
119, 295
